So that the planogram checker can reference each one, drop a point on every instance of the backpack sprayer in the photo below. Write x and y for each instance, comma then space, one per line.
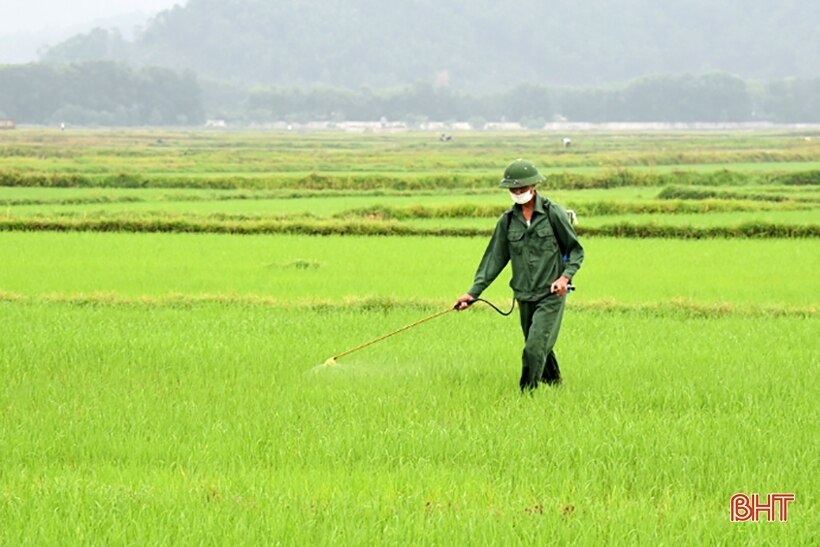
332, 361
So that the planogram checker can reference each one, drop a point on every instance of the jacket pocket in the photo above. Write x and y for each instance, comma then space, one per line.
515, 239
544, 240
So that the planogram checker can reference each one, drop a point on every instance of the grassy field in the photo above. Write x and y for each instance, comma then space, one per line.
608, 178
168, 388
209, 424
432, 270
230, 153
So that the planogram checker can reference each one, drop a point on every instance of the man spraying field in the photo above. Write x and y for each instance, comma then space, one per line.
538, 238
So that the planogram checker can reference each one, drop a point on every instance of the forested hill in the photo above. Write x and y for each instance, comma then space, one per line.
473, 45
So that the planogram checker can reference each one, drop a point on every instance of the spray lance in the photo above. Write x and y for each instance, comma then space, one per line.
332, 361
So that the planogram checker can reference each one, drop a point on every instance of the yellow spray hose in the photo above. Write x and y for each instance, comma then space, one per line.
332, 360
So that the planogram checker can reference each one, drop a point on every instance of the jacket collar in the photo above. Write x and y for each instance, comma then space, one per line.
541, 204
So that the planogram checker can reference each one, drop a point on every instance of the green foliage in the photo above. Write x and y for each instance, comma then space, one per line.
676, 192
712, 97
100, 93
797, 179
97, 45
791, 101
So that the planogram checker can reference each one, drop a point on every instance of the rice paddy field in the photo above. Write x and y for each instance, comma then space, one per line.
168, 299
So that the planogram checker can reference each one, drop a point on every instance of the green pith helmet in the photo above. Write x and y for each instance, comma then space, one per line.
520, 173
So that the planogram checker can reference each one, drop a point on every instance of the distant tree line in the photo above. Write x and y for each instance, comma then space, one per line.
99, 93
108, 93
706, 98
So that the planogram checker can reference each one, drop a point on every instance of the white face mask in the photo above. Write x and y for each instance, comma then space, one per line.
521, 198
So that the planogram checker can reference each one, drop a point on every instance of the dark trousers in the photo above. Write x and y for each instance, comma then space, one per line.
540, 322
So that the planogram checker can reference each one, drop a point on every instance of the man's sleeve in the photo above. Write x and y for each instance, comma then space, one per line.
495, 258
568, 242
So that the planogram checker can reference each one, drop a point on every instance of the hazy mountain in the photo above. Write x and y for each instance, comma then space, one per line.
26, 46
469, 44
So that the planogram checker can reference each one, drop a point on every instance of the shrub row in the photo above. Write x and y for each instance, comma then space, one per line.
751, 230
724, 177
315, 181
387, 212
90, 200
371, 228
593, 208
680, 193
121, 180
608, 208
235, 195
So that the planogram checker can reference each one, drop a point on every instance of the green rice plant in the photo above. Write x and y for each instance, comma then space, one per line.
211, 424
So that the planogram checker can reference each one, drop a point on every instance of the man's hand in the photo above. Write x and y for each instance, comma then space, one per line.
463, 302
559, 286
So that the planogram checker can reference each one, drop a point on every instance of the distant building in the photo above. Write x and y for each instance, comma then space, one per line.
443, 126
312, 126
503, 126
432, 126
220, 124
7, 124
371, 127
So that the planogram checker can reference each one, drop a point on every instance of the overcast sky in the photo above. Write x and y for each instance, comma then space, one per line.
33, 15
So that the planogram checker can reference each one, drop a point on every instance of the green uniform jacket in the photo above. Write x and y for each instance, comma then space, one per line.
535, 251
